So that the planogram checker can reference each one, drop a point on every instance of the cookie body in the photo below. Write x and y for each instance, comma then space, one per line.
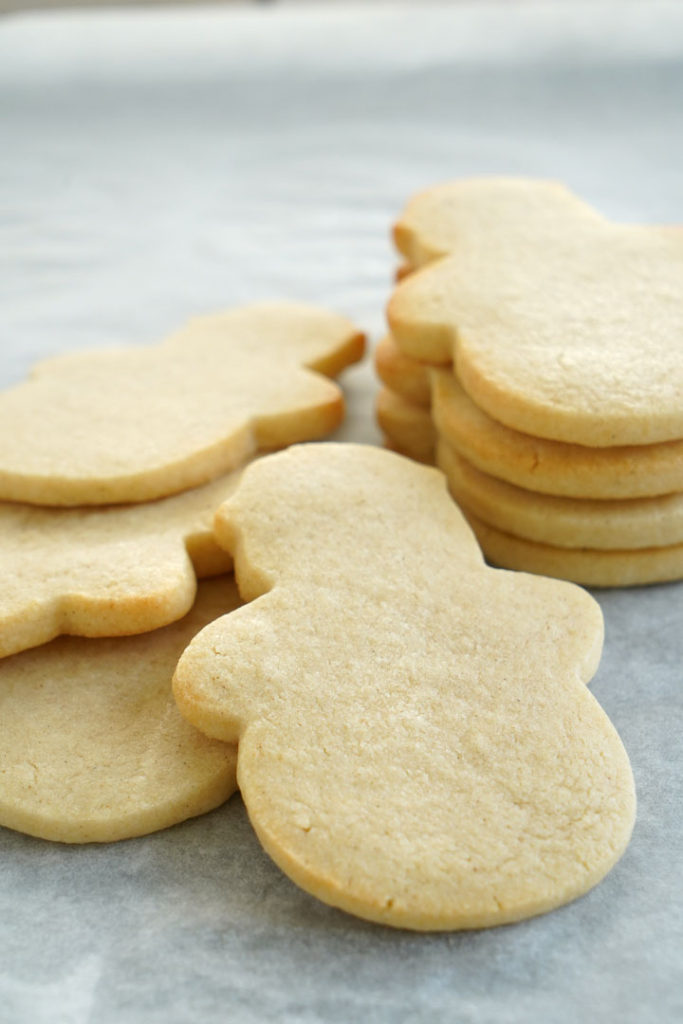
105, 571
563, 522
416, 741
551, 467
140, 423
92, 746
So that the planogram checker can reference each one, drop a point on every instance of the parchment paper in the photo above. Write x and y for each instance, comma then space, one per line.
156, 164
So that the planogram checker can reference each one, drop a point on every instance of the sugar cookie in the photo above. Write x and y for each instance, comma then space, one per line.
405, 425
405, 376
588, 566
551, 467
416, 742
139, 423
92, 746
562, 522
571, 334
105, 571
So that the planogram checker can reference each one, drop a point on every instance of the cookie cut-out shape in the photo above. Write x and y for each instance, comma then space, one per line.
563, 522
551, 467
92, 745
105, 571
416, 741
570, 333
134, 424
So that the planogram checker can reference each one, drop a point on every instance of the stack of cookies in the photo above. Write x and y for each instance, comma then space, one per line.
112, 468
536, 355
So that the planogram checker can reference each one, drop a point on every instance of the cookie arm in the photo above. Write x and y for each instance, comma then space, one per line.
312, 337
310, 409
140, 588
568, 620
221, 682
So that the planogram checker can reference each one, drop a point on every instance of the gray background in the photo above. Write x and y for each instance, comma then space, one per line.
154, 164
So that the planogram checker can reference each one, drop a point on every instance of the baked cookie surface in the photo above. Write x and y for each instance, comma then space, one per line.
401, 374
105, 571
563, 522
578, 341
140, 423
551, 467
92, 746
558, 323
416, 741
591, 567
439, 219
406, 426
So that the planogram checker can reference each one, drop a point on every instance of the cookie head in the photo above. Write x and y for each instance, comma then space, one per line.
439, 220
416, 741
570, 333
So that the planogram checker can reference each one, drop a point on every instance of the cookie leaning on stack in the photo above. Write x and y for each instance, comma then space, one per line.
563, 333
93, 746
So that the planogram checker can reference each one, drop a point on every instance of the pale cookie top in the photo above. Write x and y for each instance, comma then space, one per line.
138, 423
439, 219
92, 746
416, 742
578, 339
105, 571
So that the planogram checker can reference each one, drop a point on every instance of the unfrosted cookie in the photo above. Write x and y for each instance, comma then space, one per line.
92, 746
439, 219
416, 742
407, 426
139, 423
569, 331
105, 571
589, 566
405, 376
551, 467
562, 522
